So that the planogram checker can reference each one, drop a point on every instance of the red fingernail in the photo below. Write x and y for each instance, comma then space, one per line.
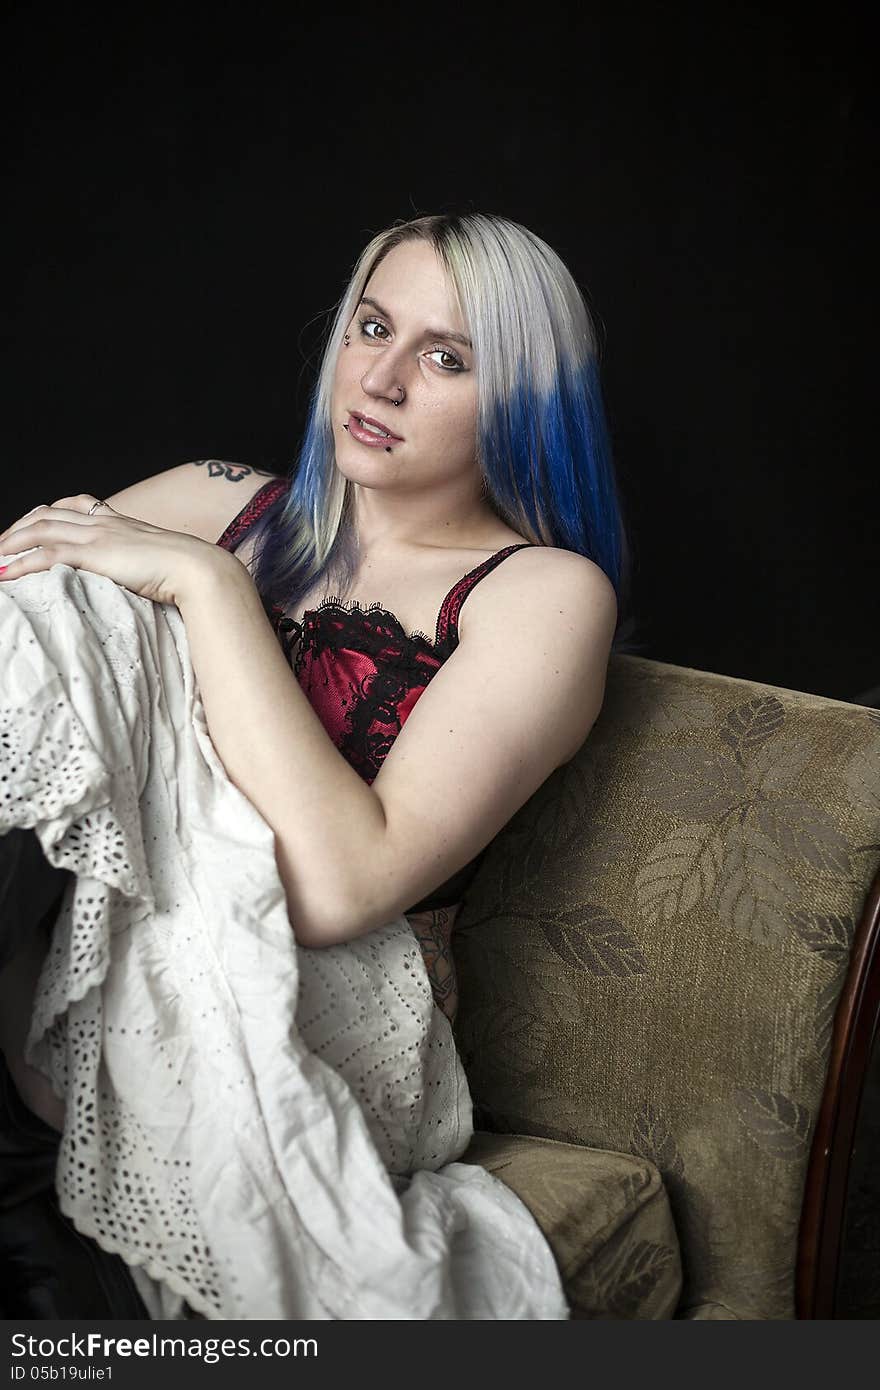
3, 569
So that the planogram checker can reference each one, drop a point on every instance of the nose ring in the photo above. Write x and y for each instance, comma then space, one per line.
347, 340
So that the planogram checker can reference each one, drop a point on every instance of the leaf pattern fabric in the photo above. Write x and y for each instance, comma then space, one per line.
651, 956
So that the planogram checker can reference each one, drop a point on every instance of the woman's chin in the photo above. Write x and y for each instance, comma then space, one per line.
368, 467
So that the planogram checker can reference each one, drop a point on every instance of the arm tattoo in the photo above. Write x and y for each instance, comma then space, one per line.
433, 932
232, 472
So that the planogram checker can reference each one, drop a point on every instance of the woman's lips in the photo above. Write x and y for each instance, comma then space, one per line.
365, 436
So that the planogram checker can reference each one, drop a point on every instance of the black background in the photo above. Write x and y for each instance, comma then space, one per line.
187, 192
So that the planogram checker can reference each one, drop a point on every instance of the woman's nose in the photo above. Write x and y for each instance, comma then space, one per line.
385, 376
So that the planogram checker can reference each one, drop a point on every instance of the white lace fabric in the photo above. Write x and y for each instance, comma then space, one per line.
258, 1129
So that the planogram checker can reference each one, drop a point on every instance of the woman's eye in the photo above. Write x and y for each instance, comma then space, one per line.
366, 323
459, 365
446, 352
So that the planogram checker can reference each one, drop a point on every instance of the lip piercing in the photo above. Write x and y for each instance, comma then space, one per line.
387, 446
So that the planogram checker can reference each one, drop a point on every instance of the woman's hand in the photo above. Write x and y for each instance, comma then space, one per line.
153, 562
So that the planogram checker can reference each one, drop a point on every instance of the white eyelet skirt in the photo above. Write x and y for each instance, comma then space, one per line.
259, 1130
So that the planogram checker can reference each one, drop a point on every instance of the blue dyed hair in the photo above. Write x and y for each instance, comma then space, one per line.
542, 443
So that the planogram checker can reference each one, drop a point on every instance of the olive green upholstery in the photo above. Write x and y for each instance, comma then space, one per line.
606, 1216
649, 960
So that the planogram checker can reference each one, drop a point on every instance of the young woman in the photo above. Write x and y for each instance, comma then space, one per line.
456, 449
395, 646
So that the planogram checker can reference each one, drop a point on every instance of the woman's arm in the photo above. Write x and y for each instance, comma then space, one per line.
199, 498
516, 698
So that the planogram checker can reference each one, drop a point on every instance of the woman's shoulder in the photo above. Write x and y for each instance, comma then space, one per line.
532, 557
199, 498
536, 579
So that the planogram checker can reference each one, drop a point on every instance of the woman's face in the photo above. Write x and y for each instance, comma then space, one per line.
407, 342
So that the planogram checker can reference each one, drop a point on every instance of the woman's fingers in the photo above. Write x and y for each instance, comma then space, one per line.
21, 522
49, 514
150, 561
76, 508
43, 540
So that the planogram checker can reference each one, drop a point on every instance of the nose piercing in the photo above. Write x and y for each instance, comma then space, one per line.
347, 340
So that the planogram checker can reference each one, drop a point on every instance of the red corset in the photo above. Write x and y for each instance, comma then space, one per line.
360, 669
362, 674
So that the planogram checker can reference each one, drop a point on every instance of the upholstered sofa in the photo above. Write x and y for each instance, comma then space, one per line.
669, 982
669, 986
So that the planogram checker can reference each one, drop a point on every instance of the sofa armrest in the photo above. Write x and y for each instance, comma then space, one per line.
856, 1028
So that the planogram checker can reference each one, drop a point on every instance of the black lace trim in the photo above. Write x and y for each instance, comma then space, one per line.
446, 631
287, 630
353, 609
353, 632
